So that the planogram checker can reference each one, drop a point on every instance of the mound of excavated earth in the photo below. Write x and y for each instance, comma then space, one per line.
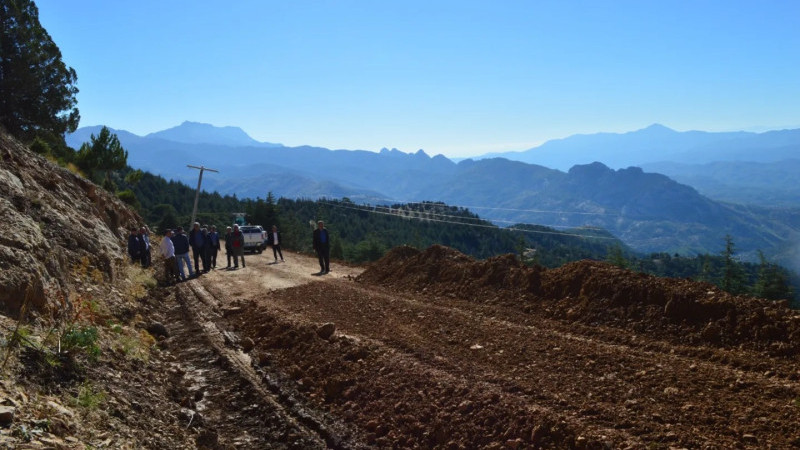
679, 310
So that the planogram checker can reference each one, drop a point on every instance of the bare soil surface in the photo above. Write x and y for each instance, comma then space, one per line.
435, 350
425, 350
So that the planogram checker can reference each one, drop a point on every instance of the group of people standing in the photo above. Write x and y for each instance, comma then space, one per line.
204, 243
205, 246
139, 246
175, 245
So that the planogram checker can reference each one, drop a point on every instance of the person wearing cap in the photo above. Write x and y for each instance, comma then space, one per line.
181, 244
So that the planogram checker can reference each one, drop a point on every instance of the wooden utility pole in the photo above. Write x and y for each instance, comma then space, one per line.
197, 193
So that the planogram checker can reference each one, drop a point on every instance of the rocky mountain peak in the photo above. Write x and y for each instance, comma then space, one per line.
204, 133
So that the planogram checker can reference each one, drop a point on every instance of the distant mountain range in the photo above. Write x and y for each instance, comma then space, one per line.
658, 143
648, 211
738, 167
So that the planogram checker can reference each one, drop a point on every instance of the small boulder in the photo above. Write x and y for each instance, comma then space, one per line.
750, 439
61, 427
207, 439
712, 333
248, 344
157, 329
7, 415
326, 331
191, 417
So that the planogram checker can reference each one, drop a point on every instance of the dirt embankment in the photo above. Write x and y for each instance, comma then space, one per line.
78, 367
679, 310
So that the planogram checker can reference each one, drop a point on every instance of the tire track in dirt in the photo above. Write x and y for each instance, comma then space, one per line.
230, 403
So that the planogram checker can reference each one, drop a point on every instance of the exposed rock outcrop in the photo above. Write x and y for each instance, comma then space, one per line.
57, 229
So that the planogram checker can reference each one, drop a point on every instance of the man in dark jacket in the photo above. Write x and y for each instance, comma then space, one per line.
181, 244
322, 245
274, 239
214, 237
197, 241
144, 247
205, 255
134, 246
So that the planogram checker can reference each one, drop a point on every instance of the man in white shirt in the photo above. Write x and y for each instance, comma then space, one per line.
167, 249
274, 239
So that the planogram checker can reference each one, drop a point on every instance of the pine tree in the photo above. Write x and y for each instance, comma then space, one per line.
772, 283
732, 279
705, 269
271, 212
102, 155
37, 90
616, 257
169, 221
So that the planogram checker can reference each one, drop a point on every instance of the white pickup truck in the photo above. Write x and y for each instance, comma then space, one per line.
255, 238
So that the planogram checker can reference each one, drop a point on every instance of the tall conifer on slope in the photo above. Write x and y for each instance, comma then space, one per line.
37, 90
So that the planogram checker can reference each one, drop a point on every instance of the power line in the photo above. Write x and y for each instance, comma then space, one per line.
494, 219
371, 210
484, 219
497, 208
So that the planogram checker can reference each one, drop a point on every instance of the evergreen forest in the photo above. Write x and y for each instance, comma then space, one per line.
363, 233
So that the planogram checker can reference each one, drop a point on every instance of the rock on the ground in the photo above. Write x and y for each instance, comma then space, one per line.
248, 344
157, 329
326, 330
7, 414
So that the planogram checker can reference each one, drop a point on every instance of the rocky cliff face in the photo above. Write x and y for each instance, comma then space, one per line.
55, 227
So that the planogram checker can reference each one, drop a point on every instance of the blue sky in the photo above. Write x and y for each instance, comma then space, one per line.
460, 78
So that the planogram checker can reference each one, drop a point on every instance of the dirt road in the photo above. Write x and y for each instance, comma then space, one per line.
410, 368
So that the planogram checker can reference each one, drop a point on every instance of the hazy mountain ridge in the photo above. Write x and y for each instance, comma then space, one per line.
359, 173
649, 211
766, 184
658, 143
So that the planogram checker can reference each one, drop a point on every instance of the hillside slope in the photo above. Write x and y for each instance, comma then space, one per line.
52, 221
765, 184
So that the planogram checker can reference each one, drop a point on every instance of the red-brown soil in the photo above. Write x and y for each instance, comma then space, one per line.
435, 350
